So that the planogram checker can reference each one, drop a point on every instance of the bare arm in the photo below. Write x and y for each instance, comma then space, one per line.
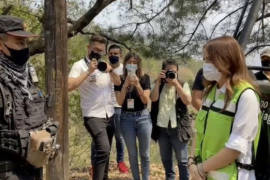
121, 95
155, 92
184, 97
74, 83
197, 96
222, 159
115, 78
144, 94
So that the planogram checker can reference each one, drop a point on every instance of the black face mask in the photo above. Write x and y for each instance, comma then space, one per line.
19, 57
266, 63
114, 59
94, 55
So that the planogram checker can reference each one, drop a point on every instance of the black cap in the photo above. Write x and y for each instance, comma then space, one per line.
13, 26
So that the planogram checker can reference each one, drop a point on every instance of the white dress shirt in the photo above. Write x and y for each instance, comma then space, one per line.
95, 91
244, 130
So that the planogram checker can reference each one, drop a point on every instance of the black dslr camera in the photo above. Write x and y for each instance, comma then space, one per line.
102, 66
170, 74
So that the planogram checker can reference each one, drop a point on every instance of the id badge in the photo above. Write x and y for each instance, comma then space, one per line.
130, 103
92, 78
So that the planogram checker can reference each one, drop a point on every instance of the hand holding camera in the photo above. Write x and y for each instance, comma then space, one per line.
167, 77
92, 66
161, 76
100, 64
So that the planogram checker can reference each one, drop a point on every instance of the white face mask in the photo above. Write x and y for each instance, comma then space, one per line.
131, 67
210, 72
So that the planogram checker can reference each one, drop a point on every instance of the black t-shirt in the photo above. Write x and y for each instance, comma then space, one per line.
133, 94
260, 76
198, 83
263, 151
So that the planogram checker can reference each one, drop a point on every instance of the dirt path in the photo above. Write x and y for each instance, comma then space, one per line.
157, 173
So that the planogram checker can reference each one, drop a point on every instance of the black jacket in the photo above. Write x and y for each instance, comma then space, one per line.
184, 130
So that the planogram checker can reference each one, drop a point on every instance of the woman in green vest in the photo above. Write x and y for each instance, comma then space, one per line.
228, 121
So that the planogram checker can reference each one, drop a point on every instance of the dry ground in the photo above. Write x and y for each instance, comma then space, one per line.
157, 173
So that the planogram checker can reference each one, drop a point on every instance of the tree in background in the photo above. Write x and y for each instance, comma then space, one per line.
159, 28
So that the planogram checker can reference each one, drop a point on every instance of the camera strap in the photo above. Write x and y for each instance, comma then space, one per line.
87, 61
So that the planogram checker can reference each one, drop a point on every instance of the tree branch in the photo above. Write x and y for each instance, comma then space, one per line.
225, 17
37, 46
235, 35
197, 26
83, 21
108, 38
256, 47
263, 17
147, 19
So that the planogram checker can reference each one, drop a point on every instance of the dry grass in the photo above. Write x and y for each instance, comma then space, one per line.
157, 173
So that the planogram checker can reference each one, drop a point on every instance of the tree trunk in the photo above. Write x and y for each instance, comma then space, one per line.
55, 33
250, 21
235, 35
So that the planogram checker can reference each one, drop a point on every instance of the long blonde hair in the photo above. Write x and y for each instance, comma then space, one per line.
228, 57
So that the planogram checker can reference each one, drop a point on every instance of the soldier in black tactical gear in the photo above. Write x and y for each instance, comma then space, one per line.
263, 153
23, 131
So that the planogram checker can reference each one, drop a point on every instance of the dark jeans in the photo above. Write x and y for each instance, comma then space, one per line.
21, 172
137, 125
101, 130
168, 141
119, 140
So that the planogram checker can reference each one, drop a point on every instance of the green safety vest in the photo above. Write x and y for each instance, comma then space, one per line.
214, 125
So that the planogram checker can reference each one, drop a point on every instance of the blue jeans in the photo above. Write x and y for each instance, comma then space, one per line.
119, 140
137, 124
168, 141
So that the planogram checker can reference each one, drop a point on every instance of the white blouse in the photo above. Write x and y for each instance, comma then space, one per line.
244, 130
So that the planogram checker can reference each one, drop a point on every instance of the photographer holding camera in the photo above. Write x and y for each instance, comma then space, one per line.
115, 55
95, 79
171, 124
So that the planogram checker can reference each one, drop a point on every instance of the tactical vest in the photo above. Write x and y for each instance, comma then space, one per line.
21, 113
214, 126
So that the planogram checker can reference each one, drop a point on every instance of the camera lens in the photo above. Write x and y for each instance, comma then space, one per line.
102, 66
170, 75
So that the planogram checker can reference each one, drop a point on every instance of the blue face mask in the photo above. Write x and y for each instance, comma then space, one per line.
114, 59
131, 67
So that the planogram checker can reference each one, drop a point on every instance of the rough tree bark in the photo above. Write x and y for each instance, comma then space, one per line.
55, 30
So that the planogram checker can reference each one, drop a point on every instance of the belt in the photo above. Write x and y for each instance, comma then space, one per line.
248, 167
134, 113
